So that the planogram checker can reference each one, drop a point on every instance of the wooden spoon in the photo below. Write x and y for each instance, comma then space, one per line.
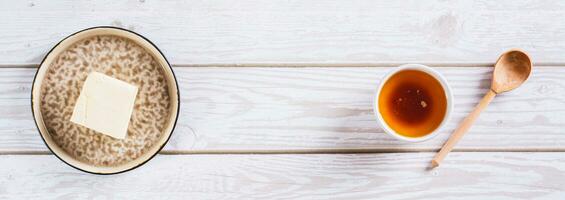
511, 70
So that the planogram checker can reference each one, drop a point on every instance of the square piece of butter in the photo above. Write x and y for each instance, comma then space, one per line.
105, 105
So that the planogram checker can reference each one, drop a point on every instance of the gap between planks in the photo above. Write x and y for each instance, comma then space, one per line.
317, 151
322, 64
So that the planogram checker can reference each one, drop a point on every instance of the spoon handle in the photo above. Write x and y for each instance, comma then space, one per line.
463, 128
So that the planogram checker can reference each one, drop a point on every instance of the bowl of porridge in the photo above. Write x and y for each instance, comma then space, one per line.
124, 57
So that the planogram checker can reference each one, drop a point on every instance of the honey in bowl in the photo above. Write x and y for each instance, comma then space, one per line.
412, 103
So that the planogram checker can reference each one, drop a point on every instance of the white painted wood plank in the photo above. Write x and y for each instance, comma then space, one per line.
330, 176
318, 109
295, 31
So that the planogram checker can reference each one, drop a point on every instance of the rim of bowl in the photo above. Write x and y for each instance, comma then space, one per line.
68, 41
428, 70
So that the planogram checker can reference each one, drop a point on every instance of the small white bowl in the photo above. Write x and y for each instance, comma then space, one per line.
427, 70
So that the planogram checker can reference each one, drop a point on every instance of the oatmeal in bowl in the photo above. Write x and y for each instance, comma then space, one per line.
119, 55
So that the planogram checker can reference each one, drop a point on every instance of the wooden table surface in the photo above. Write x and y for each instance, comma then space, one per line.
276, 99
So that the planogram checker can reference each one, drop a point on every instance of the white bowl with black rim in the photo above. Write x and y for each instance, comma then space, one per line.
121, 54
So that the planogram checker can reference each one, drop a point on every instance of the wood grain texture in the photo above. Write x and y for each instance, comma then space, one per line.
319, 109
295, 31
468, 175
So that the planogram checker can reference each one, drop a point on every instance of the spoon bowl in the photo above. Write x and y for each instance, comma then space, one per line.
511, 70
